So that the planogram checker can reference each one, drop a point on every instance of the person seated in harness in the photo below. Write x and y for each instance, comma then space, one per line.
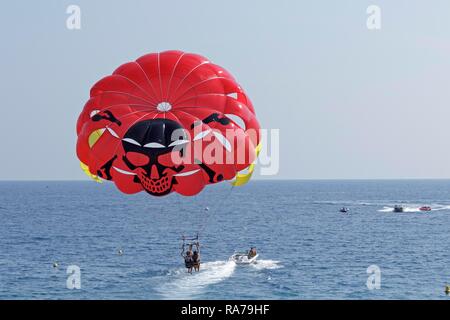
188, 261
191, 256
196, 258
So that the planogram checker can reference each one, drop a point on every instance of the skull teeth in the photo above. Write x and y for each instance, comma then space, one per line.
156, 186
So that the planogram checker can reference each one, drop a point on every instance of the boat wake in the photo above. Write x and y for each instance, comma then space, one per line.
405, 209
183, 285
416, 208
266, 264
187, 286
440, 208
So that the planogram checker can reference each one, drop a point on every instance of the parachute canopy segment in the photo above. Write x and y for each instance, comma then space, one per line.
169, 121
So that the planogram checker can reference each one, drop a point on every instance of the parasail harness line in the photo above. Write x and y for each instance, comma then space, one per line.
190, 255
188, 243
240, 180
208, 213
190, 247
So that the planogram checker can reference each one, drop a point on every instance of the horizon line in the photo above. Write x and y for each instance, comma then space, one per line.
256, 179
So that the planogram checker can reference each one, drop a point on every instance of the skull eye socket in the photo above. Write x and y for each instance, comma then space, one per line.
138, 159
166, 159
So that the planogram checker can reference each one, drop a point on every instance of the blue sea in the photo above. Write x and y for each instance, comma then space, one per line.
307, 248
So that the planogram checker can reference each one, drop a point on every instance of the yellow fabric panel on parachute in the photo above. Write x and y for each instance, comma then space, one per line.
85, 169
243, 178
93, 138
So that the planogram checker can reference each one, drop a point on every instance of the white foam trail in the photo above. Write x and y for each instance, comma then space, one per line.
386, 209
266, 264
187, 286
411, 209
405, 209
417, 209
440, 207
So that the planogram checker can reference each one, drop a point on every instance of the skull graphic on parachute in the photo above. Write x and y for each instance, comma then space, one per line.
165, 123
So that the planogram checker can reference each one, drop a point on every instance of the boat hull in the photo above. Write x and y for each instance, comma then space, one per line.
243, 259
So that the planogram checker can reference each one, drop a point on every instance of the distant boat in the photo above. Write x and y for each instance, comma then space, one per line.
343, 210
398, 208
425, 208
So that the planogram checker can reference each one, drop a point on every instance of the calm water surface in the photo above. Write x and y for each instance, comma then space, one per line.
308, 250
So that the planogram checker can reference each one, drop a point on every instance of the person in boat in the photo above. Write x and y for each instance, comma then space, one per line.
252, 253
196, 260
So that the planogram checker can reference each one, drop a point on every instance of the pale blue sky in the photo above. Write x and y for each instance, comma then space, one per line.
350, 103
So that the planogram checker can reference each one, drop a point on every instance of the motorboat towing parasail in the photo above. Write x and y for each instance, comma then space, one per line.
248, 257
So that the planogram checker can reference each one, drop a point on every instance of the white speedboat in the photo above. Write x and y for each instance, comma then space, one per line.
243, 258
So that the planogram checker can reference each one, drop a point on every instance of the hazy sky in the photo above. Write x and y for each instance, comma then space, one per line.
349, 102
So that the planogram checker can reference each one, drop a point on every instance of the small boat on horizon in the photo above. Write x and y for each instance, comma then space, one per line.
343, 210
398, 208
425, 208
